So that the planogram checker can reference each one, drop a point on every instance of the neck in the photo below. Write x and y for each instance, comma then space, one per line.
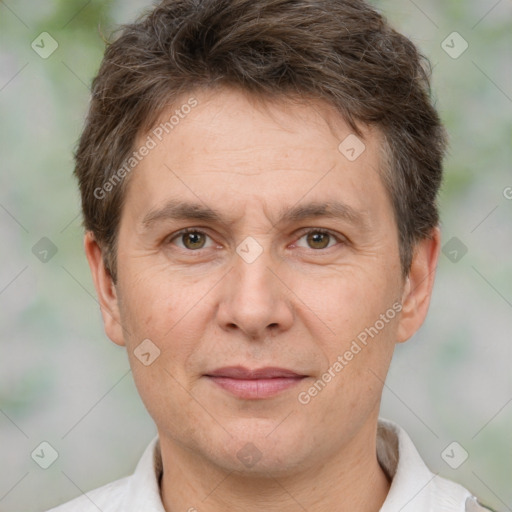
341, 483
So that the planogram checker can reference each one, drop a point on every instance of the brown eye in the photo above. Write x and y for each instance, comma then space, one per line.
318, 239
190, 239
193, 240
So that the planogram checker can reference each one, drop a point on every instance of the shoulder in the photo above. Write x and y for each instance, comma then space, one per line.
106, 498
138, 491
414, 487
449, 495
473, 505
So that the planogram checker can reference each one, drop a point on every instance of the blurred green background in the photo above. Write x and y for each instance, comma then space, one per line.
62, 381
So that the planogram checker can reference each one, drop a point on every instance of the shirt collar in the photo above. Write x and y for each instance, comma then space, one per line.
414, 488
143, 491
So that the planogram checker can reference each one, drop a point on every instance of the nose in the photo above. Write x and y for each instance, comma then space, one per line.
255, 298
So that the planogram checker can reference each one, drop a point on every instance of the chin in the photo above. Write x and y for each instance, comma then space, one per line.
261, 450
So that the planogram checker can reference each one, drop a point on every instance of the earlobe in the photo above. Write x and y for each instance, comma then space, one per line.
105, 289
418, 286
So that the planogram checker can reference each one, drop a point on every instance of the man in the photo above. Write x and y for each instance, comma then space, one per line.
294, 147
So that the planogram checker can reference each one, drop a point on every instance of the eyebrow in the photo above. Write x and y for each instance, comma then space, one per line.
183, 210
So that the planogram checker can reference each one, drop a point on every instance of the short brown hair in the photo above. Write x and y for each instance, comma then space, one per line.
340, 51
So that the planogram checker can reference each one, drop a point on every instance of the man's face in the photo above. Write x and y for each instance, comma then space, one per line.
254, 289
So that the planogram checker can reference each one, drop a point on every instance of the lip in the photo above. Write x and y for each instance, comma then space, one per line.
240, 372
254, 384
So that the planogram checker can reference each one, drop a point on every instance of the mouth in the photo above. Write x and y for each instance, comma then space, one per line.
254, 384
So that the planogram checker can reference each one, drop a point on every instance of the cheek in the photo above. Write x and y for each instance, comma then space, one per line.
360, 310
165, 318
349, 301
162, 390
155, 304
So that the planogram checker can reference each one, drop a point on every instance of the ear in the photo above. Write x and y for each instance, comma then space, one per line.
105, 288
418, 286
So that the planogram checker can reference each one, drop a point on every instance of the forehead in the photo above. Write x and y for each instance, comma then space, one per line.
227, 118
231, 149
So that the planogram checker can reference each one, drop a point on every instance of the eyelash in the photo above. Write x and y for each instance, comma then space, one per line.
338, 238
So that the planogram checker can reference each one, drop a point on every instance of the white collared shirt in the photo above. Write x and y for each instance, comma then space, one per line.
414, 488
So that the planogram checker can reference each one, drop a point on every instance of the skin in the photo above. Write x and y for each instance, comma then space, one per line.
299, 305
